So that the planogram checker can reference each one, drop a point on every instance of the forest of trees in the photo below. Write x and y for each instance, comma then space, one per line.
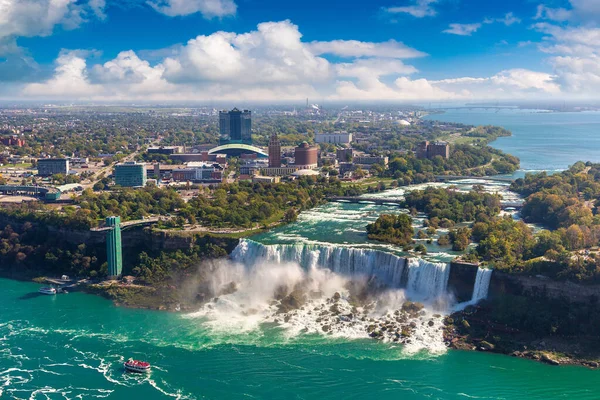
395, 229
454, 205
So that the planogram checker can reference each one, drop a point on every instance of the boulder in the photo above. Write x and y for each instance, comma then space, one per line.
549, 359
486, 346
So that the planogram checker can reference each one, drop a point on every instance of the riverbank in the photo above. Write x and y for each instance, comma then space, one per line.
476, 329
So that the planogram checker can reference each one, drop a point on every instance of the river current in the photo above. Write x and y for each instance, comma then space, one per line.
238, 346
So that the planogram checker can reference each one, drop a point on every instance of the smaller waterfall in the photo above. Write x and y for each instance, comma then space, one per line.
482, 285
427, 280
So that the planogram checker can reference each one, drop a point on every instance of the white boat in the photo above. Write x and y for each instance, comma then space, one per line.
137, 366
47, 290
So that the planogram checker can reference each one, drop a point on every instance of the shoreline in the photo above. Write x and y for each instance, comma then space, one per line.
461, 330
467, 331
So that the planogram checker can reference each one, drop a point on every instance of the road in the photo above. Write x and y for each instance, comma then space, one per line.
106, 170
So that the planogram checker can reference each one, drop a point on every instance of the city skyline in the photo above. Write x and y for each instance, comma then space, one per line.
240, 50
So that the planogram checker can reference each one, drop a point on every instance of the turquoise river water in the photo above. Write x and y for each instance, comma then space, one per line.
73, 346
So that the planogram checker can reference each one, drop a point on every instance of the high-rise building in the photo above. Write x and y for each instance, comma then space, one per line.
52, 166
235, 126
441, 149
430, 150
114, 249
130, 174
306, 156
274, 152
422, 149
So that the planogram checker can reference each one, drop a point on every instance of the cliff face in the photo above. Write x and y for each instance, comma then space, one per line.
463, 275
462, 280
142, 238
537, 286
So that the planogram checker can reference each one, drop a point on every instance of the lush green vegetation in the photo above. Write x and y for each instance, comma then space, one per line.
396, 229
454, 205
511, 245
27, 250
130, 204
246, 204
562, 200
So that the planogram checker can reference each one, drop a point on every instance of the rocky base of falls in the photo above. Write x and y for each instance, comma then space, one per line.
338, 315
474, 329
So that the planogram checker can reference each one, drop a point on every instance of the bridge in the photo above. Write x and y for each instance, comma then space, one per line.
513, 204
130, 224
400, 203
375, 200
443, 178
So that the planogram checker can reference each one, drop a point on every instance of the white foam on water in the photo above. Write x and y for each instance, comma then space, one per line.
258, 274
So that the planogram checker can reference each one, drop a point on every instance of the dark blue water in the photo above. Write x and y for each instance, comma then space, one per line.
542, 140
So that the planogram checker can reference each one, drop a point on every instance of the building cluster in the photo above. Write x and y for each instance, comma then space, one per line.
430, 150
12, 141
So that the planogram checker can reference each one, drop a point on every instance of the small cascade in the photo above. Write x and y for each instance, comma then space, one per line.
482, 285
427, 280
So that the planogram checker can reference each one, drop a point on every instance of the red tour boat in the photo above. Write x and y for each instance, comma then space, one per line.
136, 366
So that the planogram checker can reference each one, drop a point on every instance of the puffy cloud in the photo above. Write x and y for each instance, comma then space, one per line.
208, 8
272, 63
69, 81
576, 57
463, 29
274, 53
37, 17
420, 9
355, 48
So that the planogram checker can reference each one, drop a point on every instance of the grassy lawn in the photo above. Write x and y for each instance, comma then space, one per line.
21, 165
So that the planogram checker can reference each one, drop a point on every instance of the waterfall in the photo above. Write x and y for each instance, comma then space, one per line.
423, 279
426, 279
482, 285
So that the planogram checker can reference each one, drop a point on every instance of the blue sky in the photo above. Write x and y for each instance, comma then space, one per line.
272, 50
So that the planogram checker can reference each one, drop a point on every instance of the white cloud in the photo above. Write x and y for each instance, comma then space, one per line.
69, 81
97, 7
208, 8
272, 54
272, 63
468, 29
553, 14
420, 9
37, 17
463, 29
355, 48
575, 57
509, 19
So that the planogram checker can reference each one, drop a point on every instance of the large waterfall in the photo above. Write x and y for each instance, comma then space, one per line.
422, 279
482, 285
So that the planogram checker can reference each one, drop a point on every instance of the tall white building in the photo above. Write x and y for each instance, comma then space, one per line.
334, 138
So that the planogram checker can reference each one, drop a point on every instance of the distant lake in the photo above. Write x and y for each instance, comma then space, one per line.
542, 140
